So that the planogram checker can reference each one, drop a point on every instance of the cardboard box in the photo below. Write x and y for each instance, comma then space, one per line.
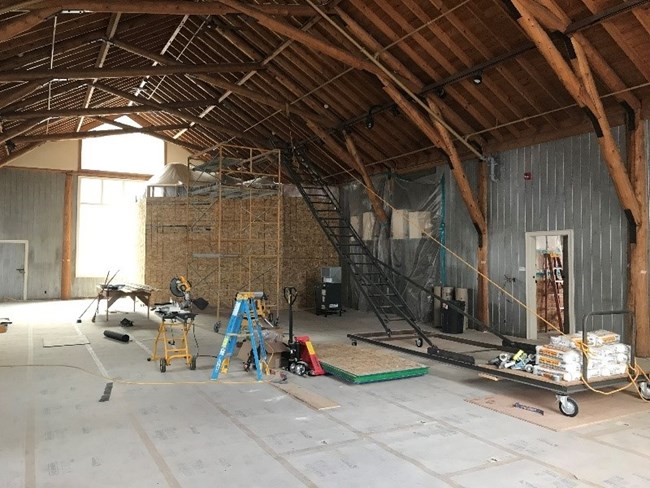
274, 350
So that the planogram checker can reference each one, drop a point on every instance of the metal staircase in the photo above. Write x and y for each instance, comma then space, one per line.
370, 274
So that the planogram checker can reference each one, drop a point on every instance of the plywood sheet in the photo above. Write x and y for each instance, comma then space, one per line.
593, 408
312, 399
363, 365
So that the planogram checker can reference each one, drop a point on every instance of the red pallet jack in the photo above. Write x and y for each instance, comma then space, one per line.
301, 358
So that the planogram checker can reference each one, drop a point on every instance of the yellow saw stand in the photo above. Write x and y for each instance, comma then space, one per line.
173, 346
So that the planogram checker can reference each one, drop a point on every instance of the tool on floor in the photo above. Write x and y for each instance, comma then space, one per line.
244, 309
301, 357
126, 322
106, 283
529, 408
175, 316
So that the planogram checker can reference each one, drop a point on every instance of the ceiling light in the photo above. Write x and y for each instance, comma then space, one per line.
441, 92
477, 78
370, 121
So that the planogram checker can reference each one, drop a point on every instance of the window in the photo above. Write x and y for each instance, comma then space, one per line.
127, 153
109, 228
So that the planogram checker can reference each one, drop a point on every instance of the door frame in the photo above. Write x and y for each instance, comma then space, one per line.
25, 264
531, 289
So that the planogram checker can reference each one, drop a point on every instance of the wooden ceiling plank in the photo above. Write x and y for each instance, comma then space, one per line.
171, 7
82, 74
220, 83
441, 34
619, 38
455, 20
425, 65
475, 91
585, 97
16, 26
182, 115
304, 38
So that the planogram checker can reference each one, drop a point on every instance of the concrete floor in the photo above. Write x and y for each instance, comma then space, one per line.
181, 430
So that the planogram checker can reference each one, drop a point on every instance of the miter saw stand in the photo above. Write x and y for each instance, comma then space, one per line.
177, 316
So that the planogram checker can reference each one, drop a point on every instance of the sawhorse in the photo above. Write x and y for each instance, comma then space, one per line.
244, 309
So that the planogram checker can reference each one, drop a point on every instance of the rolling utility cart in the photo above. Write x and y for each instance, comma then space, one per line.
327, 295
562, 389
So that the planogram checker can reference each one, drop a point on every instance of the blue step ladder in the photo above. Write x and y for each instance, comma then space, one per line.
244, 309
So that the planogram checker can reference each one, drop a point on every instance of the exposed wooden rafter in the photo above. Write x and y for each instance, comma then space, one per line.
83, 74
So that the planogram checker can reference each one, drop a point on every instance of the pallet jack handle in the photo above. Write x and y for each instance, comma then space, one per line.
290, 295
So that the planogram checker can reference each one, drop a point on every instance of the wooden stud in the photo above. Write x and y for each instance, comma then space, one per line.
483, 295
66, 248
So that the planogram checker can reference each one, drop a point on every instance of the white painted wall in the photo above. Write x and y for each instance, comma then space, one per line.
63, 155
175, 154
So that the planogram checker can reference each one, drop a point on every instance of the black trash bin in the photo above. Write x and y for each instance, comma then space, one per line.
452, 320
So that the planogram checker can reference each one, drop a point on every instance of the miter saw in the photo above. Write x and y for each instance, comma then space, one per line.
180, 288
176, 315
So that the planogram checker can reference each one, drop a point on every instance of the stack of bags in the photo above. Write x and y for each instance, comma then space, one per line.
561, 360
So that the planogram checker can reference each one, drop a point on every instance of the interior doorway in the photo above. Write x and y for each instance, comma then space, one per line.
13, 269
549, 282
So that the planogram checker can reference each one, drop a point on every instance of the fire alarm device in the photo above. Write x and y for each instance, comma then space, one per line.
528, 176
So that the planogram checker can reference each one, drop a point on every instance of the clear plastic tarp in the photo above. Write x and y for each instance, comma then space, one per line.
415, 208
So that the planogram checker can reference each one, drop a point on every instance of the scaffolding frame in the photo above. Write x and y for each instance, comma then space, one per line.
234, 228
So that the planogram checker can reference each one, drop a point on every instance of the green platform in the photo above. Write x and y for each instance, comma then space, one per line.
357, 364
372, 377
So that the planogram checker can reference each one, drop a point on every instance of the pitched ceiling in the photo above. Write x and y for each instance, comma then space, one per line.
200, 73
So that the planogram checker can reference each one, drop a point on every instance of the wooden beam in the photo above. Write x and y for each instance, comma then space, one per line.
18, 130
19, 93
68, 136
66, 246
225, 85
437, 139
172, 7
586, 97
83, 74
99, 111
16, 154
483, 295
16, 26
182, 115
375, 199
304, 38
546, 16
638, 289
171, 140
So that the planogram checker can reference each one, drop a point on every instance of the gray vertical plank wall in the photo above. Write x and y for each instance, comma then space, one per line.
460, 235
32, 209
570, 189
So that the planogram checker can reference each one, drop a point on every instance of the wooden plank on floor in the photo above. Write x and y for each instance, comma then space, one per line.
364, 365
312, 399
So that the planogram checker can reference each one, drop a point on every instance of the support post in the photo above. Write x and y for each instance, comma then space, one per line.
66, 248
638, 252
483, 298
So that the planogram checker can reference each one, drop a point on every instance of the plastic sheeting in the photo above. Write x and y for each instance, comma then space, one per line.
416, 208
